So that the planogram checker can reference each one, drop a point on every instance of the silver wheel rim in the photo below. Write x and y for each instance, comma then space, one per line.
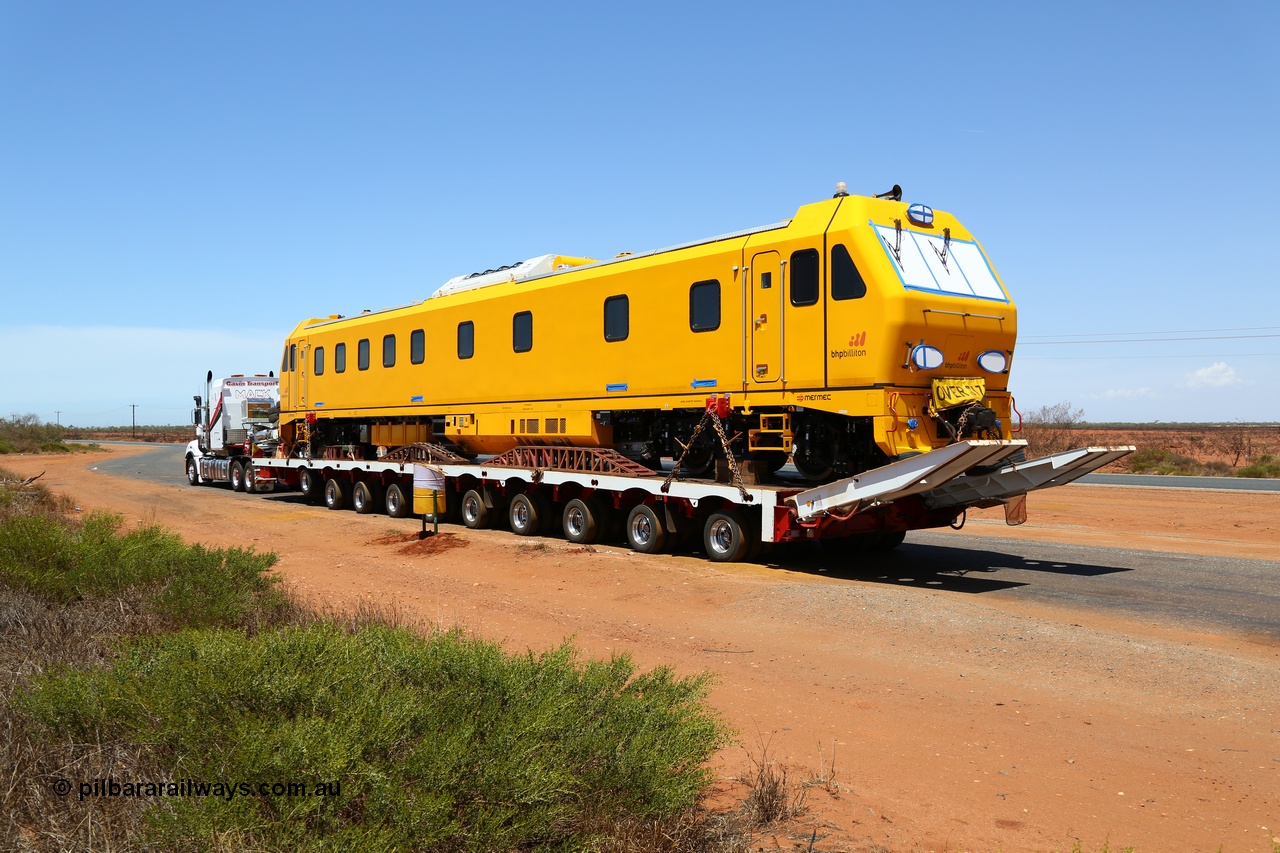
520, 515
471, 510
192, 475
393, 501
575, 521
641, 530
721, 538
357, 498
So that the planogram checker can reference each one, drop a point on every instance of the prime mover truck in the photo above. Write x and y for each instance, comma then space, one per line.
233, 423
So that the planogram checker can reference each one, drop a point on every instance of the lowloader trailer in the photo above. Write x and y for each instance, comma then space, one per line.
596, 494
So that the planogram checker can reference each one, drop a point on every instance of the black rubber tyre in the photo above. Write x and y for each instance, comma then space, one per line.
364, 498
889, 541
582, 520
237, 477
725, 538
645, 530
335, 496
193, 471
475, 515
311, 485
397, 502
526, 515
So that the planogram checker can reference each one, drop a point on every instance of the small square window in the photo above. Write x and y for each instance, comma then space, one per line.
339, 358
362, 354
319, 361
617, 318
805, 277
388, 350
704, 306
466, 339
522, 331
417, 346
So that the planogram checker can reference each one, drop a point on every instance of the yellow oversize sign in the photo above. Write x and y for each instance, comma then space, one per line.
949, 393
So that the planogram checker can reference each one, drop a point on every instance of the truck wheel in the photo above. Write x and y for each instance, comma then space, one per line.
582, 520
364, 498
475, 514
237, 476
526, 515
310, 484
334, 495
645, 532
193, 471
725, 538
398, 505
889, 541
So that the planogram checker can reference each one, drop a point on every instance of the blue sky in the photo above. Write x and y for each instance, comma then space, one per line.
181, 183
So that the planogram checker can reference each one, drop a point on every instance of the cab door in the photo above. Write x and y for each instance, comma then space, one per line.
767, 292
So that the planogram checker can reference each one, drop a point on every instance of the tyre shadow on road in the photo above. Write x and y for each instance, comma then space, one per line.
931, 567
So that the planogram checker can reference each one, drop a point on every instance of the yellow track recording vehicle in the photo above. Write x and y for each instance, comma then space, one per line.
861, 330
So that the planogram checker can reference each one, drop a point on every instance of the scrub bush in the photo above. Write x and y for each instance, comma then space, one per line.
442, 742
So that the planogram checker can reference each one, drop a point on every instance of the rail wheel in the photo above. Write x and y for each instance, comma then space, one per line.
770, 461
398, 505
583, 520
475, 515
237, 477
725, 538
364, 498
193, 471
645, 531
335, 496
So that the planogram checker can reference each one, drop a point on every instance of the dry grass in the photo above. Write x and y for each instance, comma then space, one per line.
38, 637
774, 796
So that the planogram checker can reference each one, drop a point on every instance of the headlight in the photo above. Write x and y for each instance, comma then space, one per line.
926, 357
993, 361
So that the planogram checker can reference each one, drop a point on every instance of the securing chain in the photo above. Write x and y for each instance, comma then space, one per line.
736, 478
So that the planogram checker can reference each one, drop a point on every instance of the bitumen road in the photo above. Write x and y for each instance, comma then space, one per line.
1215, 594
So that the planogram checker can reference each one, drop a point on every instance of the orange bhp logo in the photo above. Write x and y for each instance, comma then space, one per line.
963, 357
860, 339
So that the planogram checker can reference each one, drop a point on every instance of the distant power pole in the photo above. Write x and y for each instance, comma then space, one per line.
57, 416
134, 406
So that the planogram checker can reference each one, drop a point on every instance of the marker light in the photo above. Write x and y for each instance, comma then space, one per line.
926, 357
920, 214
993, 361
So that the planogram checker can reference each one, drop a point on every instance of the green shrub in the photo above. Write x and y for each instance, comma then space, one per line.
188, 585
442, 743
1157, 460
1266, 466
28, 434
